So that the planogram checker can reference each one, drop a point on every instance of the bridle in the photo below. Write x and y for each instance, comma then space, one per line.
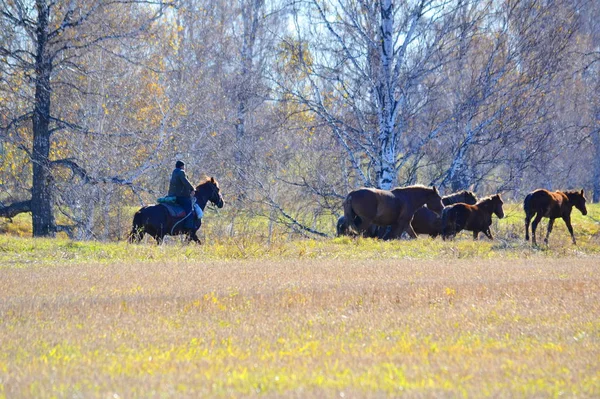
213, 193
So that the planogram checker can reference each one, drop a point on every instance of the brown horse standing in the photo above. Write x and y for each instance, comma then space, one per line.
476, 218
425, 221
367, 206
559, 204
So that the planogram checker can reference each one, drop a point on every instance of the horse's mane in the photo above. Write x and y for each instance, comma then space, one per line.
206, 179
420, 186
488, 199
461, 193
573, 192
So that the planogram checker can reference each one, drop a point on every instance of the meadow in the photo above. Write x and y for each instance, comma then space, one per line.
247, 316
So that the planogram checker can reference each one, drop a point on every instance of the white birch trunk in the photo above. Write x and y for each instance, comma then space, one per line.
457, 176
386, 174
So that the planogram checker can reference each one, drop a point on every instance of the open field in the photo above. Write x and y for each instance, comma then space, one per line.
240, 317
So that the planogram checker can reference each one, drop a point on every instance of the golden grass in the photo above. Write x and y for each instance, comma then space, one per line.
299, 326
244, 316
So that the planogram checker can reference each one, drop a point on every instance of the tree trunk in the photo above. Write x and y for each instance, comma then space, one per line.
386, 173
250, 19
459, 174
41, 193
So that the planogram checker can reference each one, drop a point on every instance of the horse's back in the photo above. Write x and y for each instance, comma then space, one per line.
459, 214
371, 203
544, 202
153, 217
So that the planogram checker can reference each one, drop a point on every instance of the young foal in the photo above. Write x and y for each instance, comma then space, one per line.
476, 218
425, 221
552, 205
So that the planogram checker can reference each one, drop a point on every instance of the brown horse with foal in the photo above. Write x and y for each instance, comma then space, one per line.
365, 207
424, 221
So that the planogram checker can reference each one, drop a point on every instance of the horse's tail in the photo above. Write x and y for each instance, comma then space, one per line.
352, 219
342, 226
137, 230
447, 222
527, 206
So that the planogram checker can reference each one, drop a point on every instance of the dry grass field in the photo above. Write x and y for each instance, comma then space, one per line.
301, 318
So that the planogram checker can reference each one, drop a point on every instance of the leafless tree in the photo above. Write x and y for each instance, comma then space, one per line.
46, 39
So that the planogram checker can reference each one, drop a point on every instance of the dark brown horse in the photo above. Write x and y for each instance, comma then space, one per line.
158, 222
545, 204
476, 218
369, 206
425, 221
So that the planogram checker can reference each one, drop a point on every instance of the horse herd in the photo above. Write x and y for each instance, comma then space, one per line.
387, 214
418, 209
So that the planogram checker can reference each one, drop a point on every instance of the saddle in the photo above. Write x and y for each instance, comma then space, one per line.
178, 212
175, 211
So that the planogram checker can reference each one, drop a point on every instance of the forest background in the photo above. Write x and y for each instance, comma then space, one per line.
290, 104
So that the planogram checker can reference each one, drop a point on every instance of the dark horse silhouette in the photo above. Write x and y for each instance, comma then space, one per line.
476, 218
157, 221
370, 206
424, 221
545, 204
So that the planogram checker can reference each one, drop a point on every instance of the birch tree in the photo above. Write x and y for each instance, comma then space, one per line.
370, 62
501, 89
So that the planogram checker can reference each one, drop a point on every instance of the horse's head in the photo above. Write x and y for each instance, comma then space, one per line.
434, 201
497, 206
466, 197
577, 199
469, 197
210, 191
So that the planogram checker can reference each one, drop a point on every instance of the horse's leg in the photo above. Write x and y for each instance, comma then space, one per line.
534, 225
395, 231
409, 228
364, 228
136, 235
401, 226
366, 232
550, 225
567, 220
194, 237
475, 235
448, 230
488, 233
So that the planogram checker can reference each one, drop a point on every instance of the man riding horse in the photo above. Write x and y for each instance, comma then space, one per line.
181, 188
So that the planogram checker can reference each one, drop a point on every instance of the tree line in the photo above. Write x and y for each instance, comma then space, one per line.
290, 104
